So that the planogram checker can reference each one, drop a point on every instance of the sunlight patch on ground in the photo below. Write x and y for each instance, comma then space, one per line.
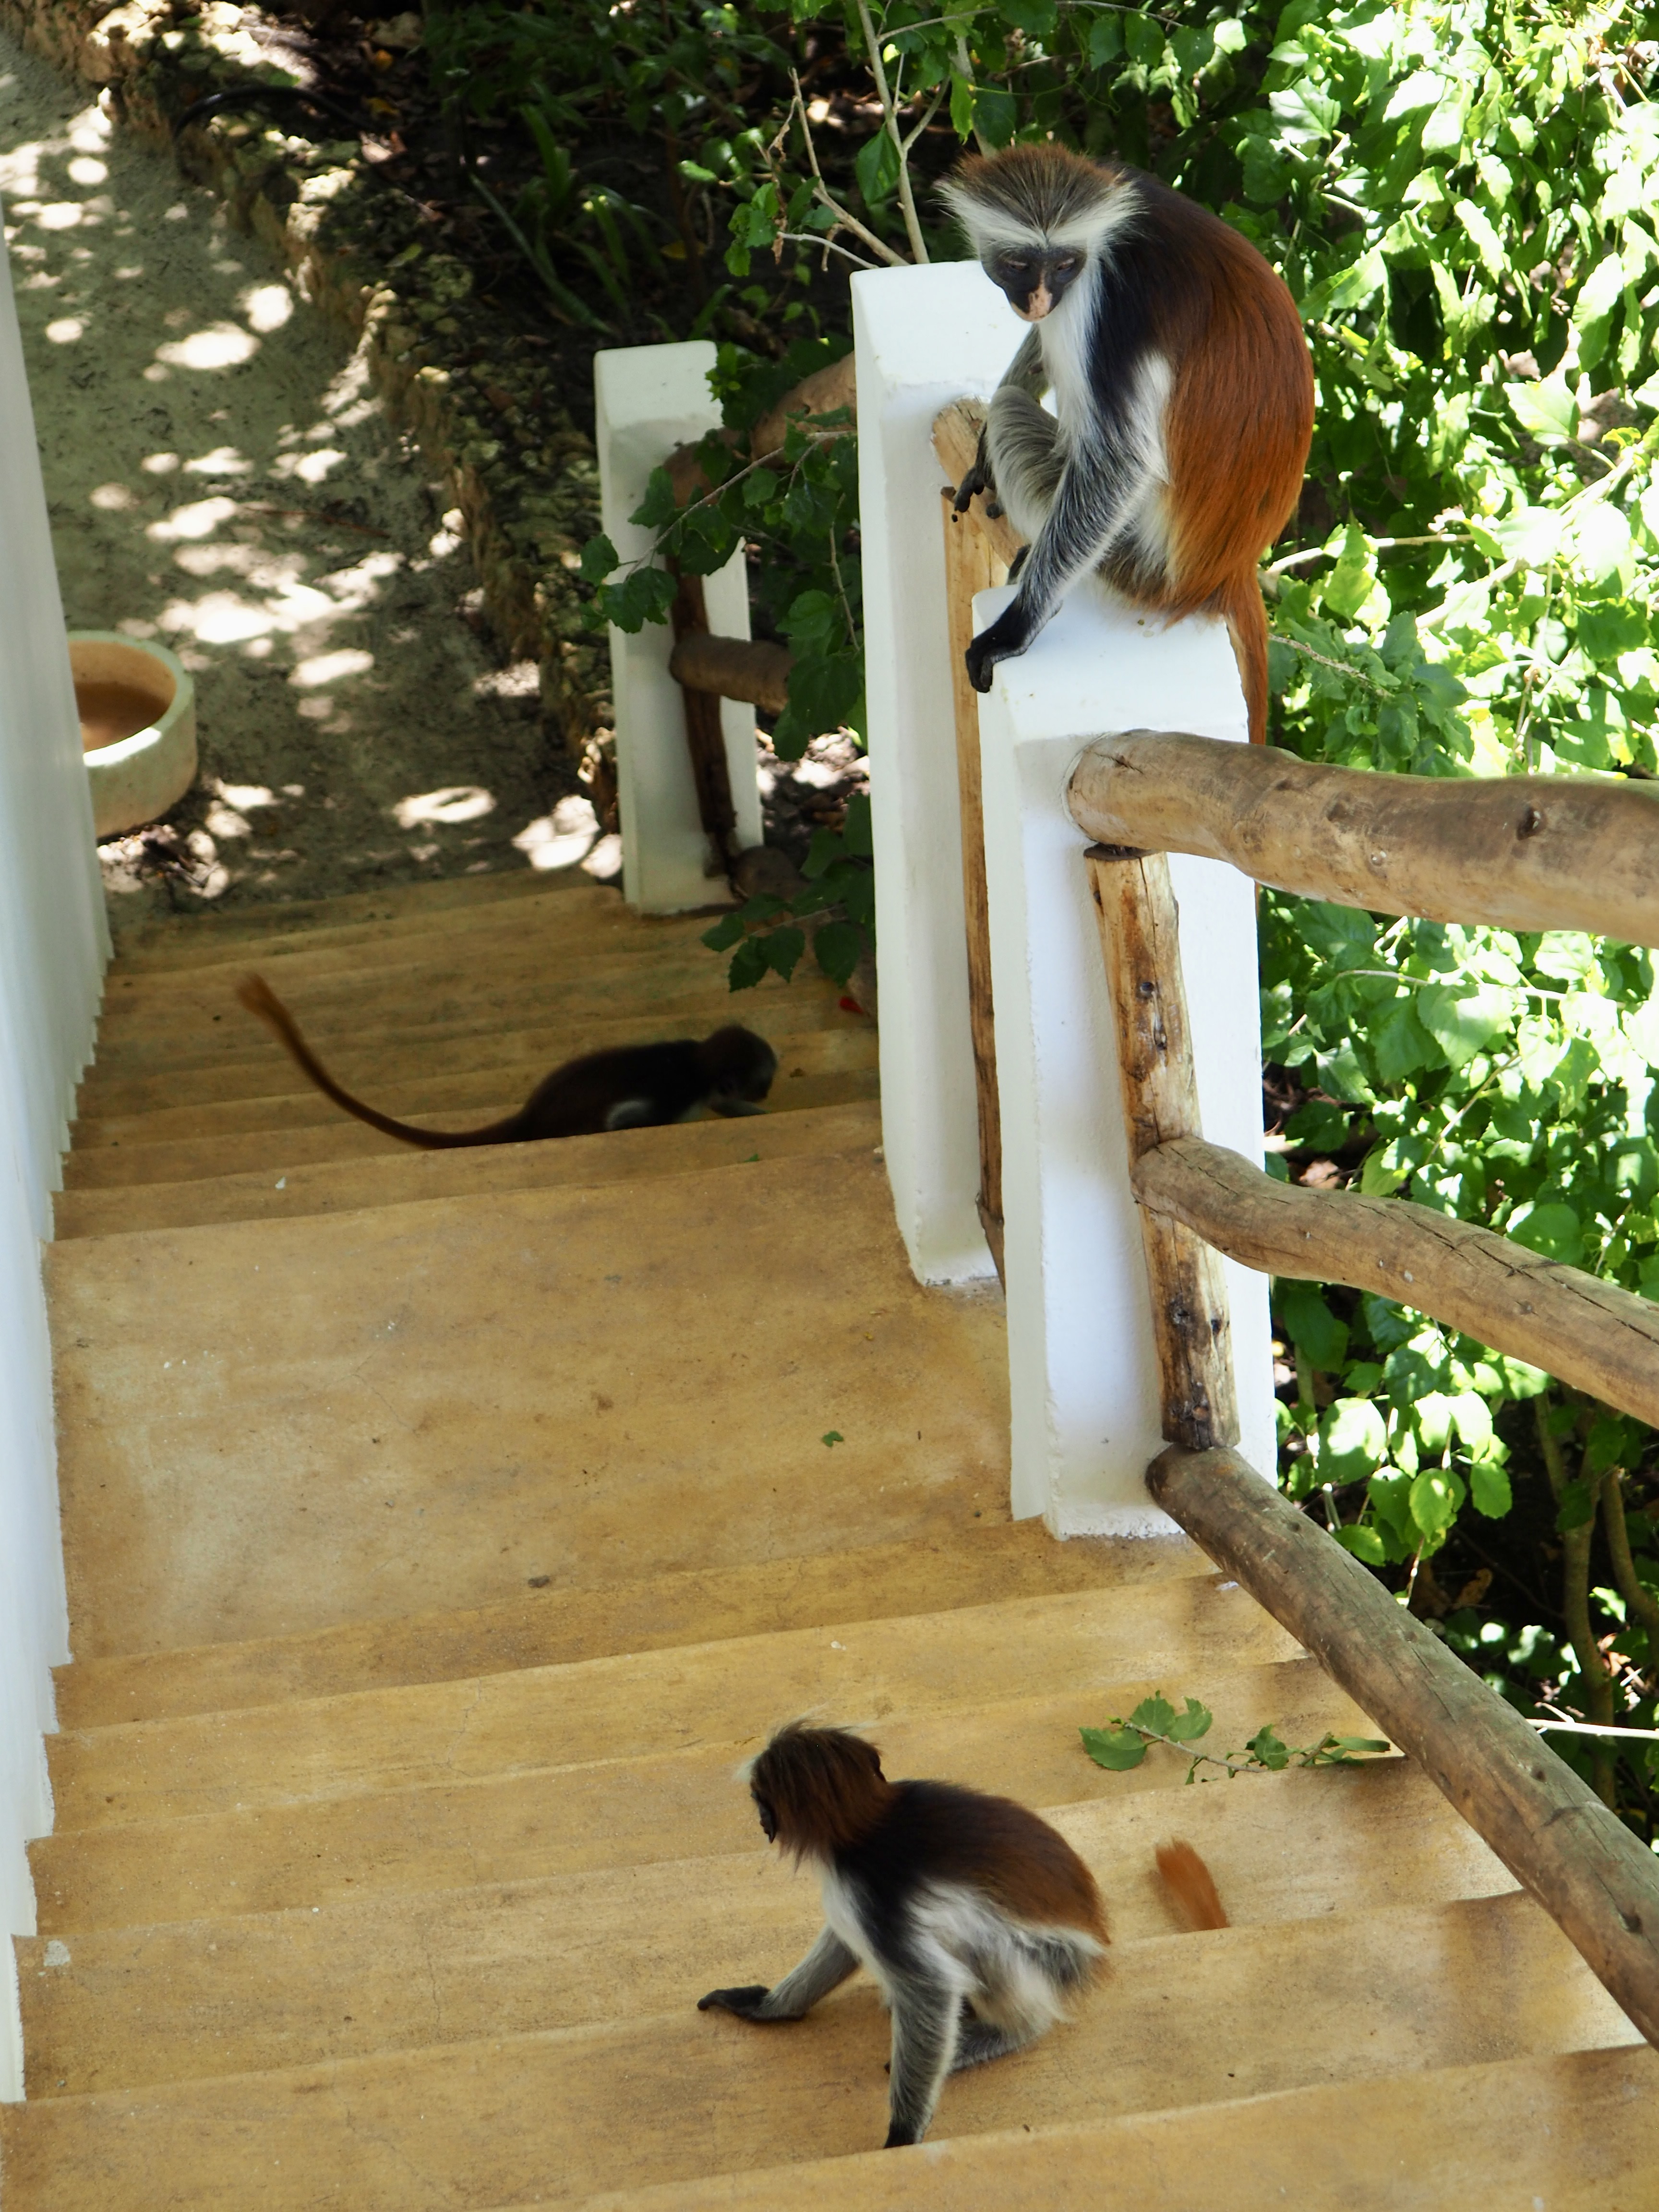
455, 802
66, 330
220, 345
267, 307
562, 839
330, 668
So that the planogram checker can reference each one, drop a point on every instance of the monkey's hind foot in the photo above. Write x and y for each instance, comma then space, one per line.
745, 2002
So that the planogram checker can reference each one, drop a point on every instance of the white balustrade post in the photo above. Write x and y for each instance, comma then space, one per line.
924, 337
647, 400
1084, 1379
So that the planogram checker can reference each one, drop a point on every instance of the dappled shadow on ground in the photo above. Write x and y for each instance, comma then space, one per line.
221, 477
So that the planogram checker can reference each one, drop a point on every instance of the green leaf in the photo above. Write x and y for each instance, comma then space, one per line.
1462, 1021
748, 966
660, 507
962, 106
1267, 1749
1189, 1726
1314, 1328
599, 559
1364, 1543
1155, 1712
1553, 1231
1576, 1505
1546, 412
877, 168
1434, 1500
1352, 1440
832, 1437
837, 946
1489, 1487
1117, 1749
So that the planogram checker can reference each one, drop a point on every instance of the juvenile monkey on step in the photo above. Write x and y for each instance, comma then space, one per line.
633, 1086
1183, 394
977, 1919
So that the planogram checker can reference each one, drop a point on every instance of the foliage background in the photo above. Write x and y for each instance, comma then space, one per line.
1460, 196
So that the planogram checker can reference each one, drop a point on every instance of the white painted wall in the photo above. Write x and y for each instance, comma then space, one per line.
924, 337
648, 399
1084, 1378
53, 944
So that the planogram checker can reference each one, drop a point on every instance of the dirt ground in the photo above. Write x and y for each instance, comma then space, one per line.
221, 477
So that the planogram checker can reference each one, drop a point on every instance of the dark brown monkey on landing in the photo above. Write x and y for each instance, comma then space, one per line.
634, 1086
1183, 397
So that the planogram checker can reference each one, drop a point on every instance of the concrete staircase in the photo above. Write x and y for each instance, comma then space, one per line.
442, 1529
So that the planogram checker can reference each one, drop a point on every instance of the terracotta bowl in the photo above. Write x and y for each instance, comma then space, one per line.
138, 708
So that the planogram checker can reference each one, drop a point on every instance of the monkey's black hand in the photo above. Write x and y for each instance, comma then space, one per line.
1007, 639
745, 2002
978, 478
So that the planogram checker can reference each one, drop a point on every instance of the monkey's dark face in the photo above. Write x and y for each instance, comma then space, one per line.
740, 1063
769, 1819
1035, 278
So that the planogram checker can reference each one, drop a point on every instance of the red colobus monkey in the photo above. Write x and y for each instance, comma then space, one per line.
1183, 394
631, 1087
975, 1917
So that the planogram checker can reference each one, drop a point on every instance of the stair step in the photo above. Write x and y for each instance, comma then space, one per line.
184, 937
341, 1139
558, 2116
1578, 2133
620, 1812
568, 929
419, 1073
111, 1087
390, 1174
123, 2008
547, 1628
213, 1030
269, 1428
734, 1691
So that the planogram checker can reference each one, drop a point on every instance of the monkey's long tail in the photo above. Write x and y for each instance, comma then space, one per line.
1241, 603
1191, 1884
256, 995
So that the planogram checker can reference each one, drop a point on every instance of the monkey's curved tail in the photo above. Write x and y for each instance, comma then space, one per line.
261, 1001
1241, 604
1190, 1884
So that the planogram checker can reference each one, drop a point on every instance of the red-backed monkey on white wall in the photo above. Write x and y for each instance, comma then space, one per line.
1183, 397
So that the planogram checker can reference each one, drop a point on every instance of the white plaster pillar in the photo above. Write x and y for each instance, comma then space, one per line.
53, 944
647, 400
924, 337
1084, 1380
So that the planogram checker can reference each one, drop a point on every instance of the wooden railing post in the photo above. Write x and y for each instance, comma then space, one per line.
970, 566
1142, 943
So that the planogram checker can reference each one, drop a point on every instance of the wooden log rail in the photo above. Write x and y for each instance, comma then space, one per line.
1594, 1878
1572, 1852
1521, 853
752, 669
1590, 1333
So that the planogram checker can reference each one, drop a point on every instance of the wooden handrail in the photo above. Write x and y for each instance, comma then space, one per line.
1521, 853
975, 557
751, 669
1595, 1879
1588, 1333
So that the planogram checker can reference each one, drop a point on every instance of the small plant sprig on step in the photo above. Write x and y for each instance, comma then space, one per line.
1123, 1744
